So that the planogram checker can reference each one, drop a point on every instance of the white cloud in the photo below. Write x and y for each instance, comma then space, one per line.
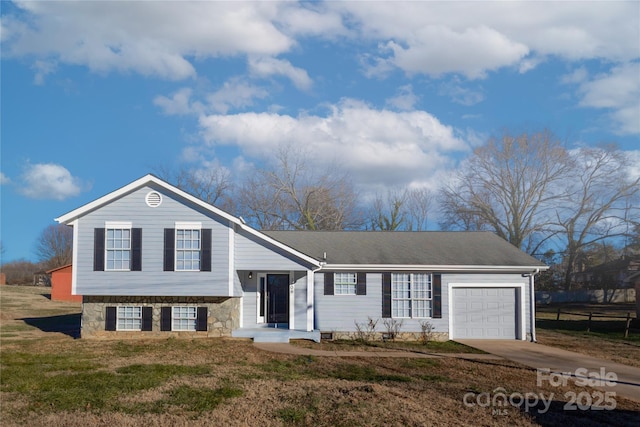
4, 179
471, 52
460, 94
150, 38
267, 67
166, 39
405, 100
179, 103
42, 69
473, 38
377, 146
235, 93
617, 90
49, 181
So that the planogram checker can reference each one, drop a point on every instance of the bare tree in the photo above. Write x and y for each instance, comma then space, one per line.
212, 185
54, 247
598, 202
20, 272
389, 214
508, 186
419, 202
293, 196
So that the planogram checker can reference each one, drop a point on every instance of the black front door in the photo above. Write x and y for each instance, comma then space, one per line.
278, 298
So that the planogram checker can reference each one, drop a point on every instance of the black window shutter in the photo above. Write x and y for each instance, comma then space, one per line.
328, 283
201, 320
386, 294
98, 249
110, 319
136, 249
205, 262
165, 318
437, 296
169, 249
147, 318
361, 284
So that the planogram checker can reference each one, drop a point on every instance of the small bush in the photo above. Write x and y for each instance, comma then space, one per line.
366, 331
426, 331
393, 327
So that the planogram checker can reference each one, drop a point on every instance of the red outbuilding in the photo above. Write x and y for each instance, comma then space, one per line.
61, 284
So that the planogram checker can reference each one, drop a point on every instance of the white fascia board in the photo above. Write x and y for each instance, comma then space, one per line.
139, 183
448, 268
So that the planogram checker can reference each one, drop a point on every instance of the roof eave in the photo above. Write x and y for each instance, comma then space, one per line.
139, 183
438, 267
69, 217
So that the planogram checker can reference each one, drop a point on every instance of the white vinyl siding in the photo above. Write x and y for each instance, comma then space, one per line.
129, 318
344, 284
411, 295
183, 318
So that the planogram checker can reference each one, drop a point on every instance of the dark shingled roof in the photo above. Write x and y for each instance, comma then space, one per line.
455, 248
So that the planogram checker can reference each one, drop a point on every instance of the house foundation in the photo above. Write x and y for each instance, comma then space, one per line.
222, 318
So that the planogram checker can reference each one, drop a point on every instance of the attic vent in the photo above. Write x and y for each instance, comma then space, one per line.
153, 199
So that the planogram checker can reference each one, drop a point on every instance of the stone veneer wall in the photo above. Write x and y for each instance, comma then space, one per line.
383, 336
223, 317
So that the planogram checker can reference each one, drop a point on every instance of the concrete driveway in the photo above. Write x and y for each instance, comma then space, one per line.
556, 360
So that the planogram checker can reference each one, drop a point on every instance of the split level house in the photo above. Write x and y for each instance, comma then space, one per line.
152, 260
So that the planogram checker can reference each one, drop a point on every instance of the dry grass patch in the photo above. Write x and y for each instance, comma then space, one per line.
56, 380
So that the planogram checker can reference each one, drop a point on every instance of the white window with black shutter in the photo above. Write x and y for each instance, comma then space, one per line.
128, 318
117, 247
345, 283
183, 318
411, 295
187, 247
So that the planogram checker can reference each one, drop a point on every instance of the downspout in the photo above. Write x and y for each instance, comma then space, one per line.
311, 320
532, 304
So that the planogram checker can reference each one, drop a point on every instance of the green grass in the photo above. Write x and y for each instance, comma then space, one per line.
292, 415
604, 329
416, 346
365, 373
74, 382
287, 370
185, 398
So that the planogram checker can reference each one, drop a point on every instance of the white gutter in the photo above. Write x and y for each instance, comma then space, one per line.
438, 267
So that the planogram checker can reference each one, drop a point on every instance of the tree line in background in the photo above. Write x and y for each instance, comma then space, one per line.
571, 208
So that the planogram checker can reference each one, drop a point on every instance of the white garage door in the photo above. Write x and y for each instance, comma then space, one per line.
489, 313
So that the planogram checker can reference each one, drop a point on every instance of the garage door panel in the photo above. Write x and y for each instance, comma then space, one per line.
484, 312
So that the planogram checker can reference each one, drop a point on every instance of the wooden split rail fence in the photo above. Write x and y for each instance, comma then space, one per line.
591, 315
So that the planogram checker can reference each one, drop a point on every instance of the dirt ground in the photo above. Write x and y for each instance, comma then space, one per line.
278, 389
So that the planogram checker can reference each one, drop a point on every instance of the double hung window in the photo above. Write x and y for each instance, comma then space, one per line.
129, 318
344, 283
411, 295
188, 249
117, 246
183, 318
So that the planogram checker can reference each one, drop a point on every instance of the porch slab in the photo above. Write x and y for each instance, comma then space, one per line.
275, 335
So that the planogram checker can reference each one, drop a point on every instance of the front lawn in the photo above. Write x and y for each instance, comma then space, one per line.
48, 378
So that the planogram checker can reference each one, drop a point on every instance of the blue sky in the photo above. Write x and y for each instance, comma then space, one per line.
97, 94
